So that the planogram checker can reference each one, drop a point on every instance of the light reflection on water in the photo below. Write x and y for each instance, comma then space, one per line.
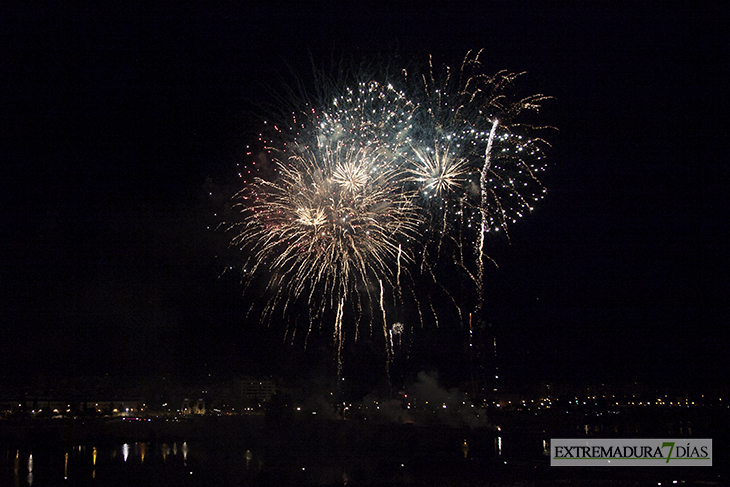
48, 465
274, 459
30, 469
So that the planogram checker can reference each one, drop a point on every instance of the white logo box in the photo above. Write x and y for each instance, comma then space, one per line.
658, 452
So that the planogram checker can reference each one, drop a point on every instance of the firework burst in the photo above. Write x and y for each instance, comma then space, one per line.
474, 165
376, 185
328, 226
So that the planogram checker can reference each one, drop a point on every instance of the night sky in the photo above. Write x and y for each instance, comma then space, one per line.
119, 121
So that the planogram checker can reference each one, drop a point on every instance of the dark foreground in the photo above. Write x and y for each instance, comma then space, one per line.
248, 450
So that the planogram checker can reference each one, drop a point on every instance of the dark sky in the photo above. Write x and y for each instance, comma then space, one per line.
117, 122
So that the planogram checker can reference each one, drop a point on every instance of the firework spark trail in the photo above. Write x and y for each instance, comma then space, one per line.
483, 208
397, 275
370, 176
338, 334
389, 350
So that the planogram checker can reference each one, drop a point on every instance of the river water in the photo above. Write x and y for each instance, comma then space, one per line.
230, 453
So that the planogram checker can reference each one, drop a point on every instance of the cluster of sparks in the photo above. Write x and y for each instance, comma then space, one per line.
378, 183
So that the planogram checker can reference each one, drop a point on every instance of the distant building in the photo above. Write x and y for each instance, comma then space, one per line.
252, 392
193, 406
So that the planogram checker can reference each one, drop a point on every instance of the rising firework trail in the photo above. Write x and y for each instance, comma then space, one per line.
483, 208
382, 184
